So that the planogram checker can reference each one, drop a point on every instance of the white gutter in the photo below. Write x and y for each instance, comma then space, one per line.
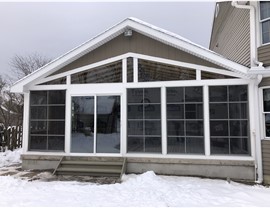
256, 67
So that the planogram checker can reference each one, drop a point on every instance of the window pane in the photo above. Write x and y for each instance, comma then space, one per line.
266, 100
152, 111
194, 111
56, 127
56, 142
195, 145
129, 69
265, 9
175, 94
209, 75
57, 97
175, 111
57, 112
135, 95
135, 111
153, 128
151, 95
219, 111
194, 128
175, 128
38, 98
135, 144
238, 110
38, 112
38, 127
238, 93
239, 146
193, 94
218, 93
176, 145
152, 144
135, 128
219, 128
219, 146
38, 142
267, 125
61, 80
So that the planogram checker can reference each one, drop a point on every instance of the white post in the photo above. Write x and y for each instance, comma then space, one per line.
68, 121
26, 109
206, 120
124, 70
123, 144
163, 121
135, 70
198, 74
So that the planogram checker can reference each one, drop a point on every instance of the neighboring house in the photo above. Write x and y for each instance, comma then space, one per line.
151, 96
241, 32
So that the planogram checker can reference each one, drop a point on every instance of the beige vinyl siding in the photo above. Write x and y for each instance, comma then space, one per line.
231, 33
265, 82
264, 54
266, 158
137, 43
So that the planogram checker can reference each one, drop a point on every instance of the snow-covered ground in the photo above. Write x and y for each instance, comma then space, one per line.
8, 157
145, 189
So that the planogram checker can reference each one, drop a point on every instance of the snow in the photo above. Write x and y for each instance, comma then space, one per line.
144, 190
8, 157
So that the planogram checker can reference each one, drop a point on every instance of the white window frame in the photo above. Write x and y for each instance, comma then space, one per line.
263, 128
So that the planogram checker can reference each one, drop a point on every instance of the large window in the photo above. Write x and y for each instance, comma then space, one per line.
266, 111
265, 21
144, 120
47, 120
228, 107
185, 132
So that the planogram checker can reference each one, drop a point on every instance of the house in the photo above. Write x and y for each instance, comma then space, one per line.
241, 33
142, 93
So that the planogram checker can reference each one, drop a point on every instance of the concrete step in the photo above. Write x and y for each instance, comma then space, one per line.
99, 163
88, 170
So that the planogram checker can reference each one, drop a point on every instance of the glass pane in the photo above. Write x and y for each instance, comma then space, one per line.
152, 111
135, 144
38, 143
38, 97
218, 93
135, 95
153, 128
194, 128
219, 128
57, 97
176, 145
56, 127
110, 73
265, 9
194, 111
209, 75
175, 94
235, 128
108, 124
267, 125
38, 127
151, 95
57, 112
152, 144
219, 146
82, 139
38, 112
175, 128
193, 94
238, 93
266, 100
130, 69
135, 128
175, 111
56, 81
239, 146
195, 145
56, 143
219, 111
135, 111
238, 110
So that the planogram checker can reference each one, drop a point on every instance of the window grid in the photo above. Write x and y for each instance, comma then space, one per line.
265, 21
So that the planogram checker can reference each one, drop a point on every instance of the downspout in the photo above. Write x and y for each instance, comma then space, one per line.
254, 64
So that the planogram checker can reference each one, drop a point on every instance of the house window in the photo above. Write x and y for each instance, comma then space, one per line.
228, 107
144, 120
185, 132
265, 21
130, 69
266, 111
47, 120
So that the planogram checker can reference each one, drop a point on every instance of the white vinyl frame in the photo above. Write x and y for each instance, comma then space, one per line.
259, 26
120, 89
262, 113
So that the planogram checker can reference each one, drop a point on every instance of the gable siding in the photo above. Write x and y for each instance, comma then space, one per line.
266, 159
264, 54
265, 82
137, 43
231, 33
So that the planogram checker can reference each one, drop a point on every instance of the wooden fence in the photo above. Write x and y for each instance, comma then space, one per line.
10, 138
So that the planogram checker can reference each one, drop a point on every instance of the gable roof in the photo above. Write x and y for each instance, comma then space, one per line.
141, 27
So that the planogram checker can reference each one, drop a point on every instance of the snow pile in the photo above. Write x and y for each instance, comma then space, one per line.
142, 190
8, 157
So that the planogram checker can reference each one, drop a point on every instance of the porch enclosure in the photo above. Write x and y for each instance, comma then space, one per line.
135, 104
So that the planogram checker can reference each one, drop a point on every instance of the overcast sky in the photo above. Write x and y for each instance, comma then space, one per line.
52, 29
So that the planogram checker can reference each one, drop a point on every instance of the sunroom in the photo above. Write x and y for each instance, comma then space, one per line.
145, 94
